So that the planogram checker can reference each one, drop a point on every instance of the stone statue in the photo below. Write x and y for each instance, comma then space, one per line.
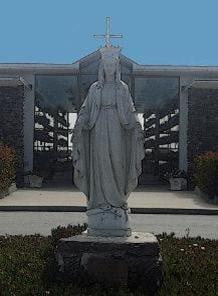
107, 149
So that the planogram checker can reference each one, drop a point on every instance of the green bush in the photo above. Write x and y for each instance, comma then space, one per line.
7, 167
206, 173
27, 264
69, 230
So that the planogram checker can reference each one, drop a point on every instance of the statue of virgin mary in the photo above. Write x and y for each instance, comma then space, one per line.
107, 149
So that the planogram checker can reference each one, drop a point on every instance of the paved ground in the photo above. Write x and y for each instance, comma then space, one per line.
149, 197
33, 222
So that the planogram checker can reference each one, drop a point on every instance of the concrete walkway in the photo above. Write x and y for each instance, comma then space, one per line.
144, 200
27, 223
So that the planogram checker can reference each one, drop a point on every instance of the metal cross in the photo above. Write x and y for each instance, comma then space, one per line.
107, 36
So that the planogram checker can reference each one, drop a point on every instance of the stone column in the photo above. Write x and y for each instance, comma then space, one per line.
183, 122
29, 103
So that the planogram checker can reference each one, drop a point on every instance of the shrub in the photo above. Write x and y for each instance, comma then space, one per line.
7, 167
190, 268
206, 173
68, 231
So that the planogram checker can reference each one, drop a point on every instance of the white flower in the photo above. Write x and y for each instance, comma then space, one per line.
202, 248
195, 245
182, 250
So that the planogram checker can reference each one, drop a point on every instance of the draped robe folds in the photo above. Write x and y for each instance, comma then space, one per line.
107, 148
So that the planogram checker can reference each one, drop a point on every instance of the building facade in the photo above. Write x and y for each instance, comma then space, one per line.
178, 107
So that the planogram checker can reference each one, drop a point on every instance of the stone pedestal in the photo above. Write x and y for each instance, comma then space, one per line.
129, 261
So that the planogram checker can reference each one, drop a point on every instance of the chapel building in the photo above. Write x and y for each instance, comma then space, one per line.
177, 106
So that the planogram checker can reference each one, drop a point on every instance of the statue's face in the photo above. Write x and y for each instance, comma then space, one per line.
110, 66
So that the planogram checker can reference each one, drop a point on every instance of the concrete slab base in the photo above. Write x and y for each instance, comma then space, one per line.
129, 261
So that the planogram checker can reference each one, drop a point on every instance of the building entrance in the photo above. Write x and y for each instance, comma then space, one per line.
55, 114
59, 97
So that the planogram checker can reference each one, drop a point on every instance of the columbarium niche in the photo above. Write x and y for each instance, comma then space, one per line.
55, 112
158, 99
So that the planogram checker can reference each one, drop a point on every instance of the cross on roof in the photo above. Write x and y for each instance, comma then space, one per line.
107, 36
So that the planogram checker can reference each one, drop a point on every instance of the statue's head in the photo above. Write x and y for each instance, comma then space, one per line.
110, 64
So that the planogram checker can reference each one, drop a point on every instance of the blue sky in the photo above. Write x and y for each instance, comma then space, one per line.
182, 32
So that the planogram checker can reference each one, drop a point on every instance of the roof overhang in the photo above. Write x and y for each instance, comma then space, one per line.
14, 81
29, 68
174, 70
204, 84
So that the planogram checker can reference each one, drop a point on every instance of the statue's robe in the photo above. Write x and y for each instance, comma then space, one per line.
107, 148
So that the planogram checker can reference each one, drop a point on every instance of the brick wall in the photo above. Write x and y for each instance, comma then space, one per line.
202, 122
11, 123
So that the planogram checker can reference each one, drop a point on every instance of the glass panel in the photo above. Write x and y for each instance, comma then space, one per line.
85, 82
91, 68
56, 92
155, 92
127, 80
125, 69
158, 99
56, 98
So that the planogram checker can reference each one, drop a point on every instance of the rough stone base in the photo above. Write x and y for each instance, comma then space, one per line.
129, 261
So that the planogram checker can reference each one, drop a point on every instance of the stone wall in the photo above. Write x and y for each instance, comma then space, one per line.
202, 123
11, 123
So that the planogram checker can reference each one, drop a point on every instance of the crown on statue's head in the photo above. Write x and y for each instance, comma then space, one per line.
110, 52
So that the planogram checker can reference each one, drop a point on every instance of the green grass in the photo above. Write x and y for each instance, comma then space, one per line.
27, 267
